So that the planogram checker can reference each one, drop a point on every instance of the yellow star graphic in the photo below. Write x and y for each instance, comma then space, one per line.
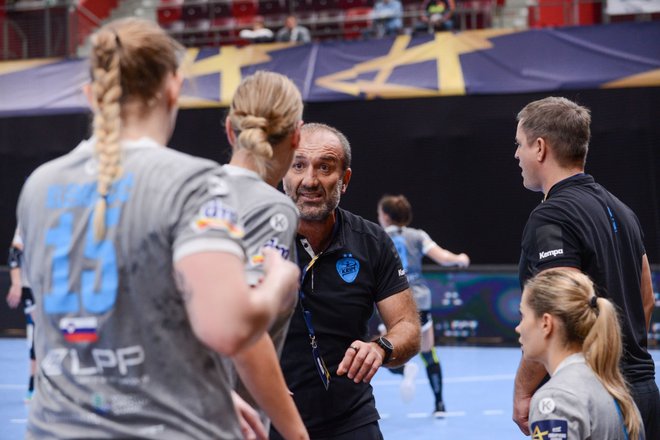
445, 49
227, 63
538, 434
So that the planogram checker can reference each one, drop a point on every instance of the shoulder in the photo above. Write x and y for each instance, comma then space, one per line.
361, 226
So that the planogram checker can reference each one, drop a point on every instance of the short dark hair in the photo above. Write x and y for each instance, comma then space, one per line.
397, 208
313, 127
563, 123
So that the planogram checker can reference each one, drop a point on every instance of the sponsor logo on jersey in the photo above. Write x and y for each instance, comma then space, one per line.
546, 405
348, 268
274, 244
279, 222
552, 253
216, 215
98, 361
79, 329
402, 272
550, 430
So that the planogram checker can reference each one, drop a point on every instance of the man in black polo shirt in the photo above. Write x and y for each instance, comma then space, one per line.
580, 225
348, 265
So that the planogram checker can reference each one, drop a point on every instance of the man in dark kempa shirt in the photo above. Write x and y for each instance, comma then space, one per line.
580, 225
348, 265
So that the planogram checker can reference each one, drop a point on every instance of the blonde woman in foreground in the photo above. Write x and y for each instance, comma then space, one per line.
576, 336
135, 257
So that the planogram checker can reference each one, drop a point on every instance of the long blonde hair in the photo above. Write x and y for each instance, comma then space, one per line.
266, 107
129, 60
589, 322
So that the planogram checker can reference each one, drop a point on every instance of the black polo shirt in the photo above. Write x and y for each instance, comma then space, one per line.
359, 268
582, 225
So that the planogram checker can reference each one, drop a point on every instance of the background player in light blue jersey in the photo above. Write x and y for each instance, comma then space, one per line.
576, 336
135, 258
263, 128
394, 215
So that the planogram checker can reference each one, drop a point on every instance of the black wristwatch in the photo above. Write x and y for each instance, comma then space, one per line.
387, 347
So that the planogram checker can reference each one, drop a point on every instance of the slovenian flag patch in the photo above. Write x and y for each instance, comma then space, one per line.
79, 329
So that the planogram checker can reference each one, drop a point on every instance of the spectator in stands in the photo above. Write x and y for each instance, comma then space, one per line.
437, 15
293, 32
259, 33
387, 17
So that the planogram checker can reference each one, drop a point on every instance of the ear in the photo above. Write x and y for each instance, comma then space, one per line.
295, 137
173, 90
229, 130
542, 149
547, 324
345, 180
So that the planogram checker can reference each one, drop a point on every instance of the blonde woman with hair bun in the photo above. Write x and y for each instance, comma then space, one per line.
135, 257
263, 128
576, 336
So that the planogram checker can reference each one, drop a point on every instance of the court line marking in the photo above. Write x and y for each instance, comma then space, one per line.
11, 387
489, 378
493, 412
17, 421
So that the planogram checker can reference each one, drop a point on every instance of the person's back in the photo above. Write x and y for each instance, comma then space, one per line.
607, 240
108, 366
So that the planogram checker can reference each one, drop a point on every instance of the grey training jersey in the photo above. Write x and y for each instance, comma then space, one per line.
269, 219
411, 245
573, 404
117, 355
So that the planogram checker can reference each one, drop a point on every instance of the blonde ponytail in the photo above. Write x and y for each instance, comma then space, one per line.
602, 349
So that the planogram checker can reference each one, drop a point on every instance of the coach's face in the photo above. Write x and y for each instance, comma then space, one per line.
528, 154
316, 179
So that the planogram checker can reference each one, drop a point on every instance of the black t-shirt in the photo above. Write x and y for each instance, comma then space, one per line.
582, 225
359, 268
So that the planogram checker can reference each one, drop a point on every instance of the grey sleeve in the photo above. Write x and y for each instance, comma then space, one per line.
204, 217
556, 411
273, 225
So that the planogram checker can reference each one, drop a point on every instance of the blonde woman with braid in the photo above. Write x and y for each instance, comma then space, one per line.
576, 336
135, 257
263, 128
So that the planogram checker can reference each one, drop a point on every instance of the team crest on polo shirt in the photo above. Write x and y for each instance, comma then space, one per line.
348, 268
549, 429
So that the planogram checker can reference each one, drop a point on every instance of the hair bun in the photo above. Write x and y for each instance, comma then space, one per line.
250, 121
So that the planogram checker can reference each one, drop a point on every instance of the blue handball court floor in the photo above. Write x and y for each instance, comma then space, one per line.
478, 384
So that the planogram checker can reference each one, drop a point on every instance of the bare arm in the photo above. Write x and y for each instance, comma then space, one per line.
445, 258
648, 300
15, 289
399, 313
528, 377
259, 369
225, 313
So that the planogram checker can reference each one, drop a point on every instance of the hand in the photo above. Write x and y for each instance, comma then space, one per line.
463, 260
248, 418
14, 296
361, 361
288, 274
521, 413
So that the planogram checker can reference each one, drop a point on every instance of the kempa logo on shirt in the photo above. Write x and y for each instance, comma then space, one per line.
552, 253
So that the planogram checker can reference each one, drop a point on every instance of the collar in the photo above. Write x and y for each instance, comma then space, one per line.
575, 179
394, 228
234, 170
336, 241
87, 145
575, 358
